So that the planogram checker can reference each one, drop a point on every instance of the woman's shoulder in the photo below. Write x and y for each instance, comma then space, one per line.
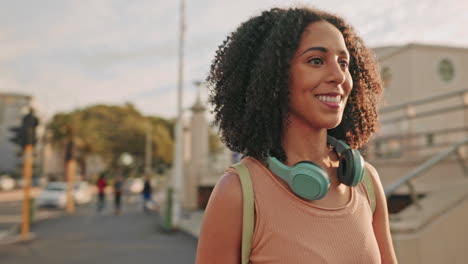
373, 173
221, 230
228, 190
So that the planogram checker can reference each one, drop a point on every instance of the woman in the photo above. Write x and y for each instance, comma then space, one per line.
101, 185
284, 82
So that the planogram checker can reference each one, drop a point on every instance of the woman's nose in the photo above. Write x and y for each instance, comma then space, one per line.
336, 73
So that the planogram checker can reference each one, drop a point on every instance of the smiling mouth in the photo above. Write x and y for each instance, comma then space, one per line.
330, 101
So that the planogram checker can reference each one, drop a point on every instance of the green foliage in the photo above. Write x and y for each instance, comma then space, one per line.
215, 145
109, 131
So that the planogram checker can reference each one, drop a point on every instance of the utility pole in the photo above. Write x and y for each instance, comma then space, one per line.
178, 171
70, 168
148, 150
25, 137
27, 176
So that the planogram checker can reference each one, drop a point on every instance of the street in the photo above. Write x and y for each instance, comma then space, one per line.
89, 237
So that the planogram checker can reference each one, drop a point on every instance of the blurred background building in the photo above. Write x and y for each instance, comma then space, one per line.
419, 150
202, 167
13, 107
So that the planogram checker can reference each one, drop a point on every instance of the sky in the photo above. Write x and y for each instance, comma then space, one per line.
73, 53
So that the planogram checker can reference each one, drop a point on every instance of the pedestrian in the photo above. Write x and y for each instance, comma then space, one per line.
101, 185
147, 194
293, 89
118, 187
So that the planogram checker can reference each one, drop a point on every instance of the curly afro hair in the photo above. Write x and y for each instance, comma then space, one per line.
249, 78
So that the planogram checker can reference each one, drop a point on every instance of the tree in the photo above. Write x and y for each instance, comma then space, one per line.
215, 145
109, 131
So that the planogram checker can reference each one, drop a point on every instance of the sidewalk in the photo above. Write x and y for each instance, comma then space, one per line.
190, 222
11, 203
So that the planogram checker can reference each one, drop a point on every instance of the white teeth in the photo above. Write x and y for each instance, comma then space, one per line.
331, 99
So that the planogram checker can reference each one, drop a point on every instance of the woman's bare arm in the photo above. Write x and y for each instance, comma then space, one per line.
381, 223
221, 231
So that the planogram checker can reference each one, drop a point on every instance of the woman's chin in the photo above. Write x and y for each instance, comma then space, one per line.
330, 124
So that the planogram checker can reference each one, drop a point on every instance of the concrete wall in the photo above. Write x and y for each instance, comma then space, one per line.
445, 173
436, 233
414, 70
415, 75
198, 148
12, 109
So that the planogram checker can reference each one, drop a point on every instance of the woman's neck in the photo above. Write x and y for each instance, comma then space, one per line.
301, 142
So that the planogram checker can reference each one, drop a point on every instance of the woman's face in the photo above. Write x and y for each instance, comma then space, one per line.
319, 80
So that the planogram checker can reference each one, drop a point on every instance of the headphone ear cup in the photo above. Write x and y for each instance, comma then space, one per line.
306, 179
309, 180
351, 168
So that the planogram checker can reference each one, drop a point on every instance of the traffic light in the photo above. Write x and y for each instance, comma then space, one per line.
30, 123
18, 136
26, 133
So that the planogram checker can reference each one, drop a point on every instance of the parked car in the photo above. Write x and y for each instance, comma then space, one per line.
7, 183
55, 194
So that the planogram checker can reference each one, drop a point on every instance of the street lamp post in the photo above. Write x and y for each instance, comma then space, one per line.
178, 171
148, 151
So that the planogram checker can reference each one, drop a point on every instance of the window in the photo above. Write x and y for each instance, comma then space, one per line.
446, 70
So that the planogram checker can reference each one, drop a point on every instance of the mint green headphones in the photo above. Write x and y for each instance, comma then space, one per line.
309, 181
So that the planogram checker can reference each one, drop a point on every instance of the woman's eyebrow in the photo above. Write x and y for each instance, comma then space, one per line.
324, 50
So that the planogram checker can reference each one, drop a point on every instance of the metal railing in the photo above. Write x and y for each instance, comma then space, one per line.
427, 100
412, 136
424, 167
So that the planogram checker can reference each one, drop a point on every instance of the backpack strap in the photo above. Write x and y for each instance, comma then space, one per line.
369, 185
247, 211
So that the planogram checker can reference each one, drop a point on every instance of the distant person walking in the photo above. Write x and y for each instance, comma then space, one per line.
101, 185
147, 195
118, 186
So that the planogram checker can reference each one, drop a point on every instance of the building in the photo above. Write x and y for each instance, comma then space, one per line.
202, 169
414, 72
417, 151
13, 107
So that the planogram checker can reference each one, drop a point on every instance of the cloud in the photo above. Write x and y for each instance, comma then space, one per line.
70, 89
73, 53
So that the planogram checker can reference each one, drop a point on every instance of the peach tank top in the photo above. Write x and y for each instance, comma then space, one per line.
289, 230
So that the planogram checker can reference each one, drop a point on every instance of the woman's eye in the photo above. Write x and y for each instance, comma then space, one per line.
344, 64
315, 61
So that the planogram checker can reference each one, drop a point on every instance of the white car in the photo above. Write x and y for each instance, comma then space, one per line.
6, 183
55, 194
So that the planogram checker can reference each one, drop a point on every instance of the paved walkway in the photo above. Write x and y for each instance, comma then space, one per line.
191, 222
11, 212
89, 237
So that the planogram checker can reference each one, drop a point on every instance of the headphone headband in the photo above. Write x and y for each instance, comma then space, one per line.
339, 145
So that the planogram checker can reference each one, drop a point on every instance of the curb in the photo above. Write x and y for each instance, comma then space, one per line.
17, 239
12, 236
7, 233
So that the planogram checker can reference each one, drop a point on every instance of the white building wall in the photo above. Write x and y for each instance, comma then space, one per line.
12, 109
415, 75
